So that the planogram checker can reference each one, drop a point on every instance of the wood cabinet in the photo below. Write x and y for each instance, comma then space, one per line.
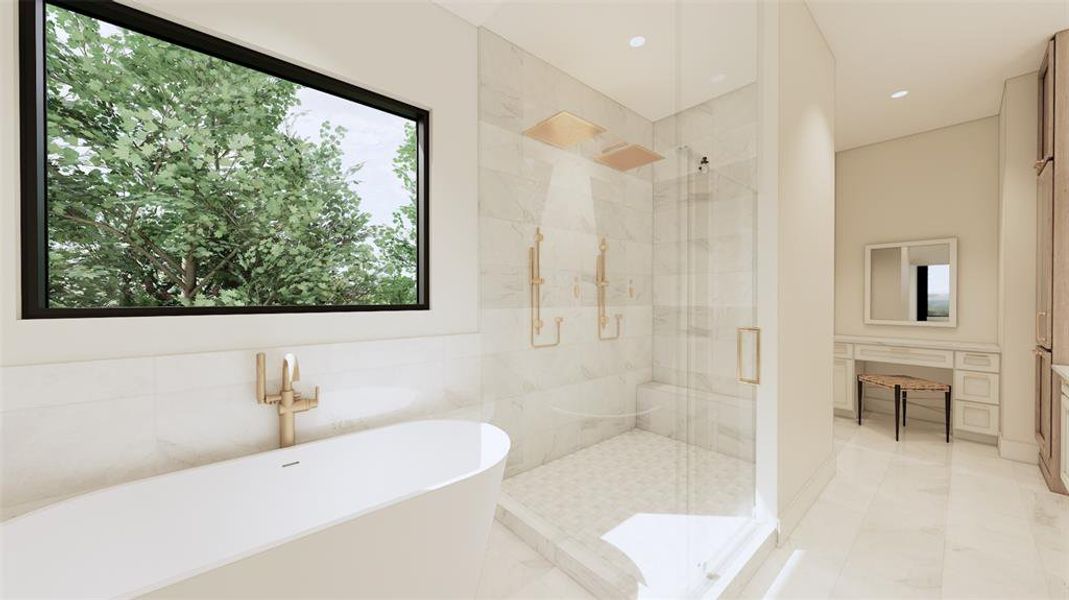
1045, 138
1052, 258
1065, 433
1045, 255
1044, 381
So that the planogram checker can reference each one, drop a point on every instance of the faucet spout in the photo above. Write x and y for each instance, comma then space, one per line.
288, 401
291, 371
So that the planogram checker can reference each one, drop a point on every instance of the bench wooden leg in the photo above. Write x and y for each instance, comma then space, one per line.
948, 414
905, 402
860, 394
898, 398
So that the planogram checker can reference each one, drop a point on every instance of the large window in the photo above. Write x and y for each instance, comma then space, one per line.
166, 171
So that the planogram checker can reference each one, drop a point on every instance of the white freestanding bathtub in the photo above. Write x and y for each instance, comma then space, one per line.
401, 511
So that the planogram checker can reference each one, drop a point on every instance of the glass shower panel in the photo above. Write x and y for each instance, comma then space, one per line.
705, 199
632, 439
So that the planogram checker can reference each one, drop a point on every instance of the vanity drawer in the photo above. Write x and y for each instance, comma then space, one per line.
975, 417
903, 355
976, 361
976, 387
842, 350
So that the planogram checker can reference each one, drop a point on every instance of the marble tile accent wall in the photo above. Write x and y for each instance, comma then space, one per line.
703, 257
68, 428
553, 401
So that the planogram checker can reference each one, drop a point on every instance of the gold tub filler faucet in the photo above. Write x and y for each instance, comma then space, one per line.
289, 401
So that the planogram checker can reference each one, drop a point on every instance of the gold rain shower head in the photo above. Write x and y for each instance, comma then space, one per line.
624, 157
564, 130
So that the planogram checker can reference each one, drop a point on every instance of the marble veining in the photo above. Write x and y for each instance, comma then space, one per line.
554, 401
61, 437
921, 518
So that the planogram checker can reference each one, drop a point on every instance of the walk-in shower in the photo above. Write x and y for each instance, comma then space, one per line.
618, 289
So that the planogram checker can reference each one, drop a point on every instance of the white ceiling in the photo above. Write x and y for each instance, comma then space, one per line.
953, 55
694, 50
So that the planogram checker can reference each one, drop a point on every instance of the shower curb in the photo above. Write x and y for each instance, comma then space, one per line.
593, 572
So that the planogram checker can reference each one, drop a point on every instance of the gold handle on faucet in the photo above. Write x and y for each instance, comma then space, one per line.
262, 397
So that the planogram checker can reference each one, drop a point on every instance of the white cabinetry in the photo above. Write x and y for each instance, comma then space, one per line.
844, 383
972, 369
976, 403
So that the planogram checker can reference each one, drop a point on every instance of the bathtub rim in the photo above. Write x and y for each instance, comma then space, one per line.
482, 426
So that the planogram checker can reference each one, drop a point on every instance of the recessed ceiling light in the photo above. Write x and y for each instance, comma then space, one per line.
899, 94
638, 41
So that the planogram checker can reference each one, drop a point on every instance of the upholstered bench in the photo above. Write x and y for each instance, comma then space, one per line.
902, 384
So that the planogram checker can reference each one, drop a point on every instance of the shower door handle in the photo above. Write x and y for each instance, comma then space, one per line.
752, 375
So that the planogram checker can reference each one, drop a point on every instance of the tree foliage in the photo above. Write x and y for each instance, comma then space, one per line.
176, 178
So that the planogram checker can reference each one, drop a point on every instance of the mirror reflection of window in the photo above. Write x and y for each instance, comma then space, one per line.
936, 301
911, 283
889, 287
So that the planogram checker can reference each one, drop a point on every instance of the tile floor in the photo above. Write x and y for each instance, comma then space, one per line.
922, 518
641, 506
915, 519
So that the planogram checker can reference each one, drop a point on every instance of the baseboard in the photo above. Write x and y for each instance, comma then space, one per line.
1025, 452
792, 514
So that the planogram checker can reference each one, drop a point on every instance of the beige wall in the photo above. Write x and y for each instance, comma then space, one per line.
939, 184
333, 38
1017, 265
805, 255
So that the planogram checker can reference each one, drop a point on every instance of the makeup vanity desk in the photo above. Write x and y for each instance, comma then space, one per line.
974, 375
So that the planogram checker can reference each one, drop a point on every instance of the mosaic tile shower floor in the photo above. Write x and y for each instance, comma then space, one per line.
622, 498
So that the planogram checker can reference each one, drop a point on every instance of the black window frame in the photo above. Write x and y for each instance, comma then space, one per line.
33, 146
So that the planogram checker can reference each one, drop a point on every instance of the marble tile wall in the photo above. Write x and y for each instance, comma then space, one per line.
68, 428
703, 257
717, 422
553, 401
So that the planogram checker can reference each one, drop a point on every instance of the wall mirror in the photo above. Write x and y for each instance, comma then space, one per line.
912, 283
